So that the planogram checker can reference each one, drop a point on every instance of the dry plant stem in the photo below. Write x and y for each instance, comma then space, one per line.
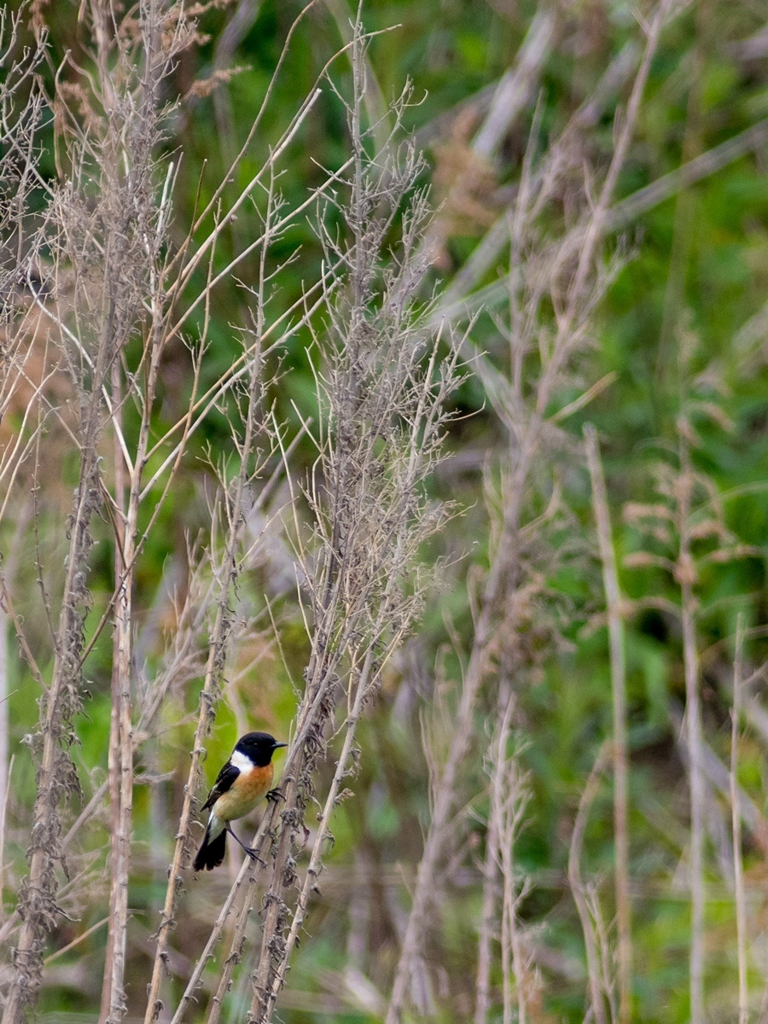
124, 760
509, 794
127, 530
376, 106
444, 800
260, 847
4, 770
37, 904
38, 896
21, 111
490, 883
577, 886
738, 866
697, 793
505, 856
113, 757
620, 755
487, 919
686, 574
362, 686
257, 845
3, 814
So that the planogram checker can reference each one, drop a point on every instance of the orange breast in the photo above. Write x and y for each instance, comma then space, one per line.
245, 793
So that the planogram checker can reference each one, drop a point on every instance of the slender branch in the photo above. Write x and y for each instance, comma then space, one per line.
490, 878
686, 575
619, 685
738, 864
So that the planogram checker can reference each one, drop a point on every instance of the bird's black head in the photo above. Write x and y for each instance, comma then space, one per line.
259, 747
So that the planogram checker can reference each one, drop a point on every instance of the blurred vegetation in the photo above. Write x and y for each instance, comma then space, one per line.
694, 277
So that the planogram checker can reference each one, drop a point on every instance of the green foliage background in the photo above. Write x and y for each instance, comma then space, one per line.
696, 266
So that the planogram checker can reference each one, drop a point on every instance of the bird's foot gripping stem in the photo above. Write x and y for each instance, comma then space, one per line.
248, 849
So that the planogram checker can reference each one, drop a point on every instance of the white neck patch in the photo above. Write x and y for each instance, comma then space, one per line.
242, 762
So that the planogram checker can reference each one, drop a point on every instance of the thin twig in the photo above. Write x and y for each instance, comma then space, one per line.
695, 740
619, 685
738, 865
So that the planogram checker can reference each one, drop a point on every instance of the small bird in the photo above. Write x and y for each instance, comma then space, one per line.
241, 783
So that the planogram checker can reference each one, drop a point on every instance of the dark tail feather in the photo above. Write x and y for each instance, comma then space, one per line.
211, 853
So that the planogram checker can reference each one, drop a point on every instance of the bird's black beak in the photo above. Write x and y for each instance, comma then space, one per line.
279, 745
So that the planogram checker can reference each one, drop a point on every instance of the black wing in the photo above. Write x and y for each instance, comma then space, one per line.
223, 783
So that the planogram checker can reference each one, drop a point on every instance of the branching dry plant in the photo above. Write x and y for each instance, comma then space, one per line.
22, 110
116, 294
383, 384
22, 375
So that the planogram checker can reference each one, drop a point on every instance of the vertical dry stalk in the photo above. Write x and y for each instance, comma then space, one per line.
738, 865
362, 683
577, 886
490, 885
56, 776
113, 754
509, 796
509, 792
21, 112
487, 925
4, 770
685, 574
619, 685
574, 294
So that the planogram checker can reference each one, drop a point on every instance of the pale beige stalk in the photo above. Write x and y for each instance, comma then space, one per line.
619, 687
